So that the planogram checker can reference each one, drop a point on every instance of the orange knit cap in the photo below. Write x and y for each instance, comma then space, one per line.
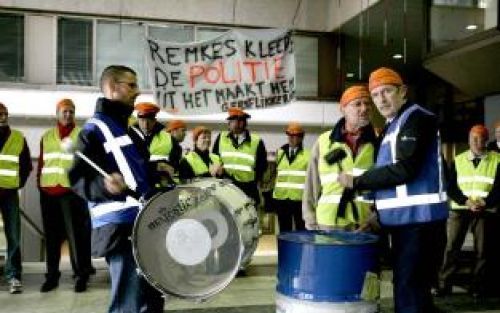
480, 130
146, 109
175, 124
198, 130
353, 93
384, 76
294, 128
235, 113
65, 103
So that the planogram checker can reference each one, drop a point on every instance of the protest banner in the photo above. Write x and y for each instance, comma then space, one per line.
251, 69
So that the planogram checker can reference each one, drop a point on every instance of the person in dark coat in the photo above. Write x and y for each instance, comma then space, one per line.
114, 199
408, 183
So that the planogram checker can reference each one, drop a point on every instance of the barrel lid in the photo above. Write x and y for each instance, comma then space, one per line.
334, 237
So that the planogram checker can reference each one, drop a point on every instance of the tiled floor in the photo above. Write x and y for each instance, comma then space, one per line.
253, 293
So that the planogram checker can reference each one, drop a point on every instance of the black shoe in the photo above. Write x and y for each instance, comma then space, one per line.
49, 285
81, 284
242, 273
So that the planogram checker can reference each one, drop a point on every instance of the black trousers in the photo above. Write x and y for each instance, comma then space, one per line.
417, 252
289, 212
66, 217
459, 223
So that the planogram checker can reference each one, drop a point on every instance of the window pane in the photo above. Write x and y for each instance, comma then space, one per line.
121, 44
11, 47
203, 33
306, 63
172, 33
74, 52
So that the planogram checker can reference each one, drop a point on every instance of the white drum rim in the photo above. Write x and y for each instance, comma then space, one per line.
153, 282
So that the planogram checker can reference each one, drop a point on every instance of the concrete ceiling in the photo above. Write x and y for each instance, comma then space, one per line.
306, 15
471, 65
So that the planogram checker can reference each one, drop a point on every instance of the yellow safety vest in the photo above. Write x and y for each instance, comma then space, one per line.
291, 177
160, 147
9, 160
56, 162
239, 162
331, 190
475, 182
197, 165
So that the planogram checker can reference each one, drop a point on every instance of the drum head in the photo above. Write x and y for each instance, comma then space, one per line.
186, 243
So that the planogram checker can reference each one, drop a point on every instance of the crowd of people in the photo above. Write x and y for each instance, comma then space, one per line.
394, 182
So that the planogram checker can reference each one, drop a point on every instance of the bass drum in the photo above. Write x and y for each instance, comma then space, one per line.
190, 242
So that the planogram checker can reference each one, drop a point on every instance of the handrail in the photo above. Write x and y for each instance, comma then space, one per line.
31, 224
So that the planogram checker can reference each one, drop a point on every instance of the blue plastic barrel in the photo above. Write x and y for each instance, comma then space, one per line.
325, 266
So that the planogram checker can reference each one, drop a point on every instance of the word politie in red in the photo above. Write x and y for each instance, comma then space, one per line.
217, 72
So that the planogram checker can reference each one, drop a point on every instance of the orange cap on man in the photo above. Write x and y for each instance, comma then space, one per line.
294, 129
237, 113
175, 124
481, 130
384, 76
146, 109
354, 93
65, 103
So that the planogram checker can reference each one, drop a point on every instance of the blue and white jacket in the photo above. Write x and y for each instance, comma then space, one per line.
403, 198
105, 141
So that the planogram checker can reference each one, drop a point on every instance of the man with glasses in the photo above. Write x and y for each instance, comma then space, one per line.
348, 146
113, 200
243, 154
409, 191
15, 167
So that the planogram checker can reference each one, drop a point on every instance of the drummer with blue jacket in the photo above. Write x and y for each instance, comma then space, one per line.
113, 200
409, 191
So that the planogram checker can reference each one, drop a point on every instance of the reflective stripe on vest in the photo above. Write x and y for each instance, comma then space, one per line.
198, 165
239, 162
291, 177
55, 161
421, 200
160, 146
475, 182
9, 160
331, 190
